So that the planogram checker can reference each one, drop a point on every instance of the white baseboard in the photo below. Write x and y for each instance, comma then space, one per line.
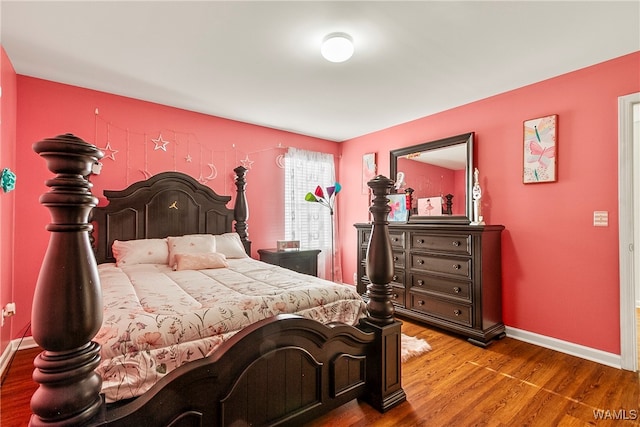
599, 356
15, 345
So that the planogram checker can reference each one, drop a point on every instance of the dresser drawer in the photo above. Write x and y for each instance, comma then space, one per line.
458, 267
397, 296
440, 285
398, 259
396, 237
398, 277
454, 244
449, 310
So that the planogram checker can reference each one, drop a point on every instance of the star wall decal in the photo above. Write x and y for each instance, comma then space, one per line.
246, 162
188, 158
160, 143
109, 153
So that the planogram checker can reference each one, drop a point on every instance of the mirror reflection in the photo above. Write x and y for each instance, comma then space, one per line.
437, 174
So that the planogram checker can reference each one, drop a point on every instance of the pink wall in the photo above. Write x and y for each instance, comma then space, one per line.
560, 274
7, 200
47, 109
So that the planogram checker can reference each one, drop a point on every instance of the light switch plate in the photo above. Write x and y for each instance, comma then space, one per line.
600, 218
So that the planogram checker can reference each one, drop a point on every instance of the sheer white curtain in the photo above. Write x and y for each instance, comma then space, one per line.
308, 222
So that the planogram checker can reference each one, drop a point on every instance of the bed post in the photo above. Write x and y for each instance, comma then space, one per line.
240, 209
67, 305
384, 381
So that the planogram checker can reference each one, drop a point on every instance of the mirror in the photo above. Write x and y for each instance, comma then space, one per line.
439, 177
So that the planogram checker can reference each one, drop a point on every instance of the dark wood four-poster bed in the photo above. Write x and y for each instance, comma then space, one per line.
267, 360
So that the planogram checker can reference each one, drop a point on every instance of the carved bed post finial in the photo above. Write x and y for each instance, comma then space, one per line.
67, 305
241, 210
379, 255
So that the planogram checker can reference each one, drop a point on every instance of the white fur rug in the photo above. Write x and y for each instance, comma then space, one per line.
412, 346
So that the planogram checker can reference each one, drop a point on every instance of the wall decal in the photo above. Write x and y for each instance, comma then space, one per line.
160, 144
246, 162
109, 153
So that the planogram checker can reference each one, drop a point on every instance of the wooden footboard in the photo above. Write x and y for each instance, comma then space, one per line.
280, 371
283, 370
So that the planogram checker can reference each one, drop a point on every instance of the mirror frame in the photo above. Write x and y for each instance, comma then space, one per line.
465, 138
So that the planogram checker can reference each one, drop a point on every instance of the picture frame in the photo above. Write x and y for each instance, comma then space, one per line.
540, 149
430, 206
398, 204
369, 168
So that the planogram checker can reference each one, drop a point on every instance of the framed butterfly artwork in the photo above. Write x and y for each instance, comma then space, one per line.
540, 150
398, 205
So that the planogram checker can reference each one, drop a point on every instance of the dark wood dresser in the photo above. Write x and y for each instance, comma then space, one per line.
447, 276
303, 261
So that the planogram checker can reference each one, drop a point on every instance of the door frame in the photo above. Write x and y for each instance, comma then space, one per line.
628, 225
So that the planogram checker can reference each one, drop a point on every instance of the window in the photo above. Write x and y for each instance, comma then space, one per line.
308, 222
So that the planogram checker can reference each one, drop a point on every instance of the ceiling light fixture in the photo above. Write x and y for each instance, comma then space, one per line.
337, 47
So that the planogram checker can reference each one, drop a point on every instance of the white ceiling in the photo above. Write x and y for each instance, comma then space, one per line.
259, 62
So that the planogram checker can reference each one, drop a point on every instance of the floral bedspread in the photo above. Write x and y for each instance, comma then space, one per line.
156, 319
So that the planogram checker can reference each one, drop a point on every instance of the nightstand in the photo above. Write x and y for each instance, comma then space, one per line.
304, 261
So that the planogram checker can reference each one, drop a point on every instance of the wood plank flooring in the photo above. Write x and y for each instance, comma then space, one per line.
511, 383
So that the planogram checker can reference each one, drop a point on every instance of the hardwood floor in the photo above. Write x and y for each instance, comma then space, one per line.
511, 383
456, 384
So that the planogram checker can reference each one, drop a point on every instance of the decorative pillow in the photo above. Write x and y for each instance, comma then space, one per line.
200, 261
190, 244
230, 245
143, 251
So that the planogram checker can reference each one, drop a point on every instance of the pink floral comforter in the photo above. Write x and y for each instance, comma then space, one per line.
156, 319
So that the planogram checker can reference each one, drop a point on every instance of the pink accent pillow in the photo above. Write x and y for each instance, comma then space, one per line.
142, 251
200, 261
190, 244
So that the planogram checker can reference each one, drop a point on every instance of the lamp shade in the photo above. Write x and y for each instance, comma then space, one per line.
337, 47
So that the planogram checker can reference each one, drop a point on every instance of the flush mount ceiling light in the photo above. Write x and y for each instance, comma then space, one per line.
337, 47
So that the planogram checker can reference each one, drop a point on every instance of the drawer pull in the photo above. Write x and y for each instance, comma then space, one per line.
420, 261
420, 282
395, 278
457, 290
456, 266
395, 239
457, 312
395, 296
420, 302
420, 241
395, 258
456, 243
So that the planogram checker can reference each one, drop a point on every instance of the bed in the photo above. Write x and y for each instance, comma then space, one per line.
287, 351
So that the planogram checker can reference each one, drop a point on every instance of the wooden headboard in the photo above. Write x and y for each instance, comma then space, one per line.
168, 204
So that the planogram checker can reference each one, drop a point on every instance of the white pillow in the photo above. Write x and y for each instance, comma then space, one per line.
200, 261
190, 244
230, 245
143, 251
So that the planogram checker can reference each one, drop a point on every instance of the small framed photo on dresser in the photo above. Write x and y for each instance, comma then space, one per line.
430, 206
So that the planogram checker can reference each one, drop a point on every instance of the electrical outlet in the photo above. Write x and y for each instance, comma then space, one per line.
8, 311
